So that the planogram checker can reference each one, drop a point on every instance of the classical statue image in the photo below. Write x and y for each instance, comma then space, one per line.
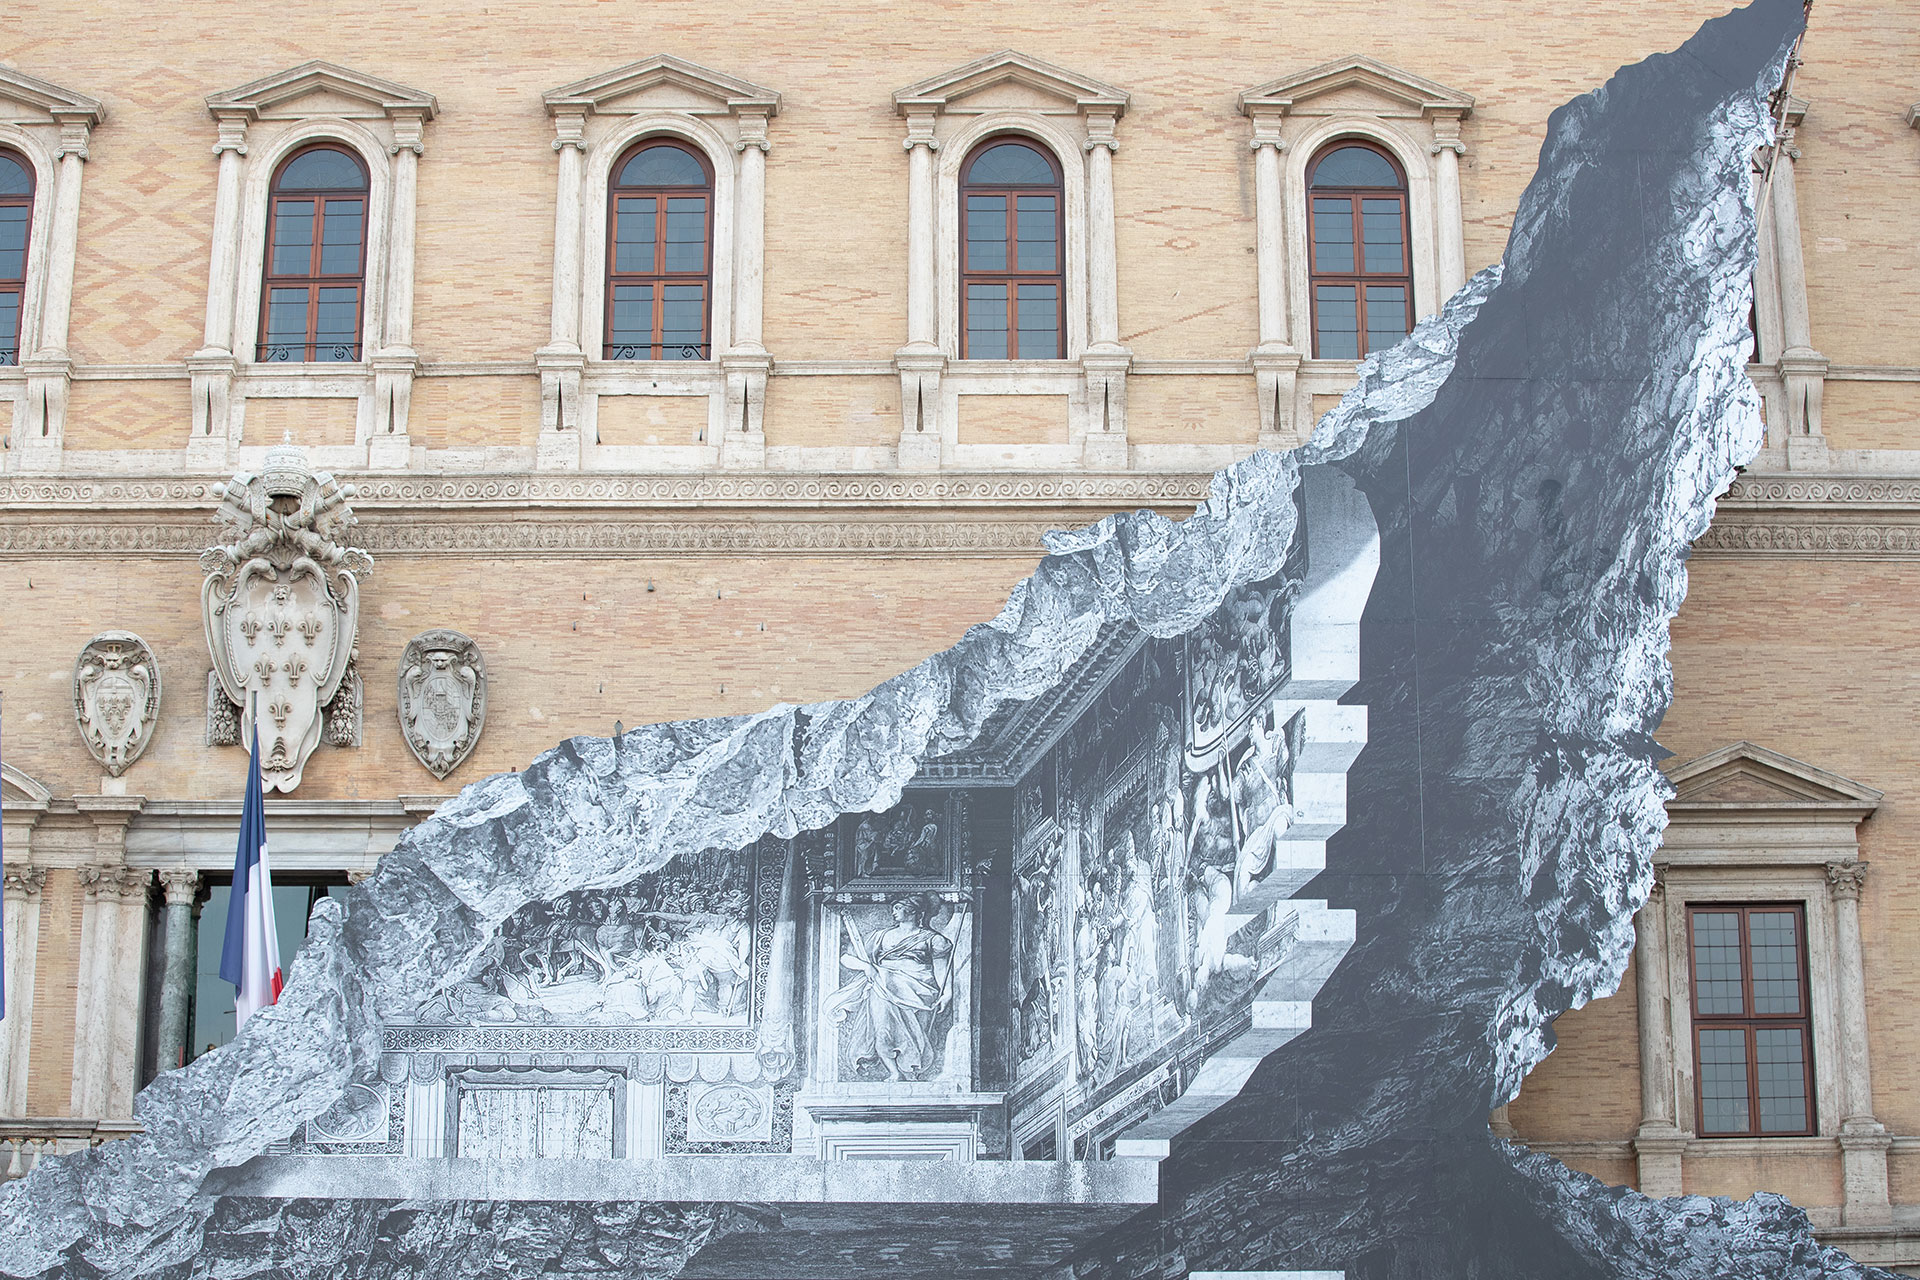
903, 981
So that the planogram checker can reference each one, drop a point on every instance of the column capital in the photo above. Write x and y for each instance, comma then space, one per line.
115, 881
75, 132
569, 128
180, 885
920, 131
753, 133
409, 134
24, 881
232, 136
1100, 131
1844, 880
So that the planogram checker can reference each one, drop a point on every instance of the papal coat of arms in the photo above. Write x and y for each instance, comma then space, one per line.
281, 604
443, 698
116, 697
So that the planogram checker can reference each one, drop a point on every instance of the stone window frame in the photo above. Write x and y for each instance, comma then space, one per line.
1072, 117
1415, 120
383, 124
1750, 825
596, 121
50, 128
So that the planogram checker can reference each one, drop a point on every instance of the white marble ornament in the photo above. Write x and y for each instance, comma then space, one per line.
443, 698
116, 698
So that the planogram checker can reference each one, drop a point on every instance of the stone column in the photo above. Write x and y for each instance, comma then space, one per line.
561, 361
106, 1028
1803, 370
1658, 1143
1451, 238
395, 362
746, 363
1105, 361
211, 368
22, 924
180, 885
921, 361
1864, 1141
1276, 362
48, 368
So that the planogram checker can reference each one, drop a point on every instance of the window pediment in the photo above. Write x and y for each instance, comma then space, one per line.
26, 99
662, 83
21, 791
1746, 777
1010, 81
322, 89
1355, 84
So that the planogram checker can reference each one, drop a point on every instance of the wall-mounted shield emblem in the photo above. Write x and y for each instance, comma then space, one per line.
116, 698
443, 698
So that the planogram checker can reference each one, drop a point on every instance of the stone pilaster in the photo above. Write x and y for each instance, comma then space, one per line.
1658, 1142
113, 926
22, 923
1864, 1141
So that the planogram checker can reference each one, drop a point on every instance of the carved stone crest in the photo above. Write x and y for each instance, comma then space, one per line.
281, 604
443, 698
116, 697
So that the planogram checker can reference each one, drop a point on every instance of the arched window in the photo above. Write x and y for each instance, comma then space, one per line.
1012, 269
660, 259
1358, 233
316, 257
16, 215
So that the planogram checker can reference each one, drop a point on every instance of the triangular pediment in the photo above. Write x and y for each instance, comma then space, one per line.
41, 97
1349, 82
662, 82
985, 82
322, 88
1750, 777
19, 791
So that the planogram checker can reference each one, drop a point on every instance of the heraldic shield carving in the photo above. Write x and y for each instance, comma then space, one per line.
281, 604
443, 698
116, 698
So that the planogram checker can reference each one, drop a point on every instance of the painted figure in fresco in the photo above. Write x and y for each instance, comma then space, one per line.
717, 950
903, 982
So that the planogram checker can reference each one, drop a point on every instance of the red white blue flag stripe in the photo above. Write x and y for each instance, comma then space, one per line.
250, 957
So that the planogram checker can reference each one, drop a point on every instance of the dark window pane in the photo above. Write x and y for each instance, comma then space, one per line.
1010, 164
1723, 1080
683, 320
336, 320
686, 240
662, 166
1774, 938
1039, 322
1716, 962
324, 169
1380, 226
1386, 315
15, 180
1354, 167
986, 233
286, 324
1037, 230
631, 333
1336, 322
13, 242
10, 327
986, 322
292, 237
1780, 1069
633, 234
340, 238
1333, 235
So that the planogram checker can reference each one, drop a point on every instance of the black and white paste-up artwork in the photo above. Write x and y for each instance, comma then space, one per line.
895, 1002
675, 948
915, 844
1037, 972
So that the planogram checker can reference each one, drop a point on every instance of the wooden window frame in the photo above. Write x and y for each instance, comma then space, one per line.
1359, 279
314, 281
660, 277
1749, 1021
10, 344
1012, 277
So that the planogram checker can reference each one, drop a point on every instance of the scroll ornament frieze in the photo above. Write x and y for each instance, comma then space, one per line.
443, 698
116, 698
281, 606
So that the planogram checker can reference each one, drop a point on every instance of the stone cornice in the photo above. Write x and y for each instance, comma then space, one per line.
1821, 516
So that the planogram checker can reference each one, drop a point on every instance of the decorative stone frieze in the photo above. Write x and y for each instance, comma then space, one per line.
281, 605
443, 698
116, 698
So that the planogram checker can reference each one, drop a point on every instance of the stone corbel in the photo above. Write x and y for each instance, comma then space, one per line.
388, 448
920, 418
210, 380
1105, 447
743, 446
1276, 372
560, 374
42, 433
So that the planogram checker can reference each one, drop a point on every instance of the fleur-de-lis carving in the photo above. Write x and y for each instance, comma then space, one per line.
278, 626
264, 667
295, 666
310, 627
280, 708
250, 625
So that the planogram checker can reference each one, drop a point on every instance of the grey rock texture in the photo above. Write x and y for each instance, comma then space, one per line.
1538, 457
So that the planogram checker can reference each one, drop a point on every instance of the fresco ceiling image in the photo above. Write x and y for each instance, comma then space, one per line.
1188, 917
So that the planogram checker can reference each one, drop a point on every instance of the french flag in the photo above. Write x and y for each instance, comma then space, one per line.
250, 957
